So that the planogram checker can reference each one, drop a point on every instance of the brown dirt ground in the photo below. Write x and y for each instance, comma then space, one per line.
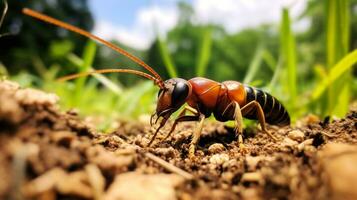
48, 154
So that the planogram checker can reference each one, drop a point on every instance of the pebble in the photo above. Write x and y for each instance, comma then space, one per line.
252, 162
9, 85
168, 152
216, 148
340, 164
72, 184
251, 194
287, 142
303, 144
296, 135
32, 96
62, 137
133, 185
310, 150
227, 177
252, 177
219, 159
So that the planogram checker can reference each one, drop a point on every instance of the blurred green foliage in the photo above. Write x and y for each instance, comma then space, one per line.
309, 71
30, 41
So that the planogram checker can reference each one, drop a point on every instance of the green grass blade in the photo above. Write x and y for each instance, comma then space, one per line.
331, 32
165, 54
100, 77
288, 55
129, 102
254, 65
3, 72
336, 72
88, 58
338, 36
204, 53
343, 101
275, 79
269, 60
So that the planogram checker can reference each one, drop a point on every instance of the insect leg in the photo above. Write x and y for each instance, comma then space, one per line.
196, 136
254, 105
183, 118
239, 125
163, 122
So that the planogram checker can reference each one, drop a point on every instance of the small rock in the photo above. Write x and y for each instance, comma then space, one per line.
75, 184
252, 162
132, 185
227, 177
251, 194
296, 135
62, 137
108, 160
219, 159
96, 180
340, 164
167, 152
252, 177
31, 96
9, 86
216, 148
309, 150
126, 149
45, 182
10, 110
287, 142
302, 145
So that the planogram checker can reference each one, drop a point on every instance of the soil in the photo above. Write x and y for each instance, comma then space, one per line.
49, 154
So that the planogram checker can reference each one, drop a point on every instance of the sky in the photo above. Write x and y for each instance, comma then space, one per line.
131, 21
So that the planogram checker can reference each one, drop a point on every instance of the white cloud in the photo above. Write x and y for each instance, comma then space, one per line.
141, 33
233, 15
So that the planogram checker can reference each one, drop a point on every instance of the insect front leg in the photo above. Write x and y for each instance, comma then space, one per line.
255, 107
162, 124
196, 136
183, 118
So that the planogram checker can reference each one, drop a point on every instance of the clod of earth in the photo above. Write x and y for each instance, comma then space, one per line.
339, 162
49, 154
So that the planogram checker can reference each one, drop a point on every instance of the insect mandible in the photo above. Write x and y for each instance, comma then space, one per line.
229, 100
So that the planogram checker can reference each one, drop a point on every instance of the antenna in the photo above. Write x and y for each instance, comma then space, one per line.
104, 71
48, 19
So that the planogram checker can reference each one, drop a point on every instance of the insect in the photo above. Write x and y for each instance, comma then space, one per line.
229, 100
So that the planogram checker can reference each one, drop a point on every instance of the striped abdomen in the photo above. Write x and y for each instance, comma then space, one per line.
274, 111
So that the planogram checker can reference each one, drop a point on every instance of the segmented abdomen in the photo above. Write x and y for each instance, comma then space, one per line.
274, 111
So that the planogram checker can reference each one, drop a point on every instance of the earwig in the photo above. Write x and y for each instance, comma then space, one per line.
229, 100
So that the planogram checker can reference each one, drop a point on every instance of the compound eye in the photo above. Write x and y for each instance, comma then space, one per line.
180, 92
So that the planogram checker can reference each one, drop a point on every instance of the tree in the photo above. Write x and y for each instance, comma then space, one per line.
33, 44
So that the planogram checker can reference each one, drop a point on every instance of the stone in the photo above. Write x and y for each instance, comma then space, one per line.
296, 135
339, 161
252, 177
132, 185
287, 142
252, 162
216, 148
219, 159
